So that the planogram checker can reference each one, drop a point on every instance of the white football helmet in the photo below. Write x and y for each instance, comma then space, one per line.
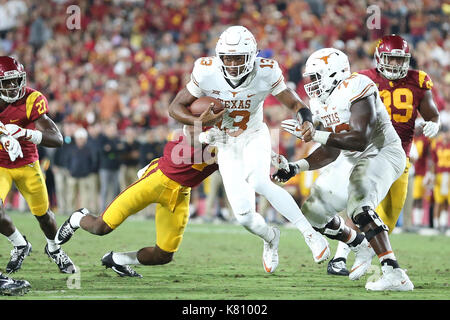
236, 41
327, 67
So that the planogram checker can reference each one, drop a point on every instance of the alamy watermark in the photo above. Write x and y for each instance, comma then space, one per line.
73, 21
374, 18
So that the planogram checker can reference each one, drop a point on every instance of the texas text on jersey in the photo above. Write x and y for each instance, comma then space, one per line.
244, 102
335, 113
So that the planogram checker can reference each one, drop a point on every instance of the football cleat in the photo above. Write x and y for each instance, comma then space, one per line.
391, 280
62, 260
121, 270
337, 267
318, 245
270, 253
363, 260
11, 287
66, 231
18, 254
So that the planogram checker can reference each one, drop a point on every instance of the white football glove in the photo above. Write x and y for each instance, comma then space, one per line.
279, 161
17, 132
430, 129
292, 126
214, 137
12, 146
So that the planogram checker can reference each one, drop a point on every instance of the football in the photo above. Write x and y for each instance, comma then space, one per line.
202, 103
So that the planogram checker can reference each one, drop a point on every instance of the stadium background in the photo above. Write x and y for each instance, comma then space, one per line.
116, 74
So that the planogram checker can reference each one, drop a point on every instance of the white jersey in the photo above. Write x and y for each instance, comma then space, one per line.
335, 113
244, 103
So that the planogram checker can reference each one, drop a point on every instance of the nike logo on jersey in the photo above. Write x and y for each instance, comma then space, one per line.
250, 95
12, 121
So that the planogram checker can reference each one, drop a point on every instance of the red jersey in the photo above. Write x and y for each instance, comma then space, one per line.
440, 153
184, 164
23, 113
402, 99
423, 149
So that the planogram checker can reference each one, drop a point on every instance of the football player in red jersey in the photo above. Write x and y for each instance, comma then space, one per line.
166, 181
23, 111
405, 93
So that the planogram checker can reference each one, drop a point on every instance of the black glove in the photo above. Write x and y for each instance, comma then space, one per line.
283, 175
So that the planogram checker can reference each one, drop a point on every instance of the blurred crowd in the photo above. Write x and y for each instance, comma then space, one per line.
109, 70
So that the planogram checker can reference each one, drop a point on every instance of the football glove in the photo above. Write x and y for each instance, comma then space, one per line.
279, 161
19, 133
293, 127
3, 130
283, 175
12, 146
214, 137
430, 129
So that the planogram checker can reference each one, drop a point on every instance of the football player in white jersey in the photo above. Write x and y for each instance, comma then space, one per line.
242, 81
350, 109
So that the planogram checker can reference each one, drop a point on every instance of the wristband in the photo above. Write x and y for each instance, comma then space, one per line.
302, 165
304, 114
34, 136
321, 136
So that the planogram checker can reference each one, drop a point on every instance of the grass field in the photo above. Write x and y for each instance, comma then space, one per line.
217, 262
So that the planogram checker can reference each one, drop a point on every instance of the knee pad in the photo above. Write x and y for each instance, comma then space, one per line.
330, 229
368, 216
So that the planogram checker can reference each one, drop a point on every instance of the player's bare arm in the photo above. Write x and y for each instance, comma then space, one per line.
290, 99
362, 123
51, 136
178, 110
430, 114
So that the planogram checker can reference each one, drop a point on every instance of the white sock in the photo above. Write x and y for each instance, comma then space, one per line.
75, 219
52, 246
17, 239
342, 251
283, 202
125, 258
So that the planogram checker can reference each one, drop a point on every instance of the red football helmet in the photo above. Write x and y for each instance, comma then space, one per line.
12, 79
392, 57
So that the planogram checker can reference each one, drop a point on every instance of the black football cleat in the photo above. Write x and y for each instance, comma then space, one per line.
62, 260
337, 267
66, 231
123, 271
18, 254
11, 287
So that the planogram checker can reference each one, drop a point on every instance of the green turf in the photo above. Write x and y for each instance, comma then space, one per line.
217, 262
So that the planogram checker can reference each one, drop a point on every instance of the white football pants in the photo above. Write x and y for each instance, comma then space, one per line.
244, 163
352, 186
